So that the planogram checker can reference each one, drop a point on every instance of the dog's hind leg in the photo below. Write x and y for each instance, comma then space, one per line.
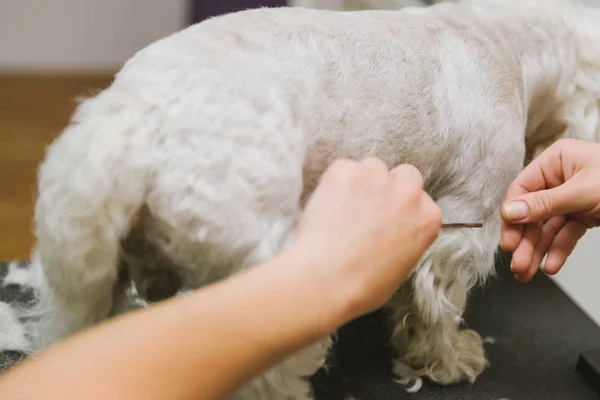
430, 339
289, 379
91, 188
427, 312
427, 333
79, 258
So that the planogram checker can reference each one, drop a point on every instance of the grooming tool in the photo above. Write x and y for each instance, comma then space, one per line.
462, 225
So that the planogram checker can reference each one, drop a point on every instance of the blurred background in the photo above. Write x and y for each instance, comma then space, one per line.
51, 52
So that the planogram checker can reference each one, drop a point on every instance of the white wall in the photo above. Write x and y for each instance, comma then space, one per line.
580, 277
82, 34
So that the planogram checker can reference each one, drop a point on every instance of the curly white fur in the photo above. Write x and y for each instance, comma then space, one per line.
196, 161
12, 333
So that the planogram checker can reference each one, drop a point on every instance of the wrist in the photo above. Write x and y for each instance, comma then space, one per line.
332, 296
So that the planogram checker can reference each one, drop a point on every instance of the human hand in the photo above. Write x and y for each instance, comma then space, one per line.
550, 206
366, 228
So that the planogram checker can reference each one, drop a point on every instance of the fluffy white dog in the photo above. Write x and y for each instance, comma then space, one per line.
196, 162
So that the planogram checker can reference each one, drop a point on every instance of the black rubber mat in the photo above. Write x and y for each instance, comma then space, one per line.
539, 335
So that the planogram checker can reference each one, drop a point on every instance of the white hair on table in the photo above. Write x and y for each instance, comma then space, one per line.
12, 332
20, 276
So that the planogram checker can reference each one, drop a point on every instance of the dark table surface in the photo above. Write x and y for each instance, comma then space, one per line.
539, 333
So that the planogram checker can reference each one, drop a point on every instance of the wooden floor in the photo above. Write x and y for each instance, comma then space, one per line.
33, 110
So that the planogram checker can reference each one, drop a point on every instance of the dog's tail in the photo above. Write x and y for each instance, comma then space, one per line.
92, 185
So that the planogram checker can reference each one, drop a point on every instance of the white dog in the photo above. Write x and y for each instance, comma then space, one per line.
196, 162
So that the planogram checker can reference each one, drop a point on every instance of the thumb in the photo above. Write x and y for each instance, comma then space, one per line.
544, 204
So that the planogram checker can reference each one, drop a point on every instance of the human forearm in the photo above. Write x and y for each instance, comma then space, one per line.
360, 235
202, 345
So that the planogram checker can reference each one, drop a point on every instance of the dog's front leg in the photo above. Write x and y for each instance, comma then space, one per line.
427, 313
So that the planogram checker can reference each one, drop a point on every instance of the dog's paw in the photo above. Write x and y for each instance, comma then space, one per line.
464, 361
407, 377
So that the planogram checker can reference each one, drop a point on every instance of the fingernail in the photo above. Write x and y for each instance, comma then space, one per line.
516, 210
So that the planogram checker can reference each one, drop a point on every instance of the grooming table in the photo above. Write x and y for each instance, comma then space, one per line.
538, 335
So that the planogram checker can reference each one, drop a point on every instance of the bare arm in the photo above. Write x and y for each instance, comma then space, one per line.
201, 345
360, 236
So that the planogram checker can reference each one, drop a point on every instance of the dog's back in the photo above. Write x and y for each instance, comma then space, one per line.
349, 84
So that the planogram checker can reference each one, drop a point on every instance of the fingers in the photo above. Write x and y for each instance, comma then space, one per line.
557, 182
523, 255
545, 204
433, 217
549, 231
409, 174
590, 221
407, 186
557, 240
340, 172
512, 233
411, 180
351, 174
375, 168
553, 184
550, 169
524, 272
546, 171
563, 245
375, 165
511, 236
377, 173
